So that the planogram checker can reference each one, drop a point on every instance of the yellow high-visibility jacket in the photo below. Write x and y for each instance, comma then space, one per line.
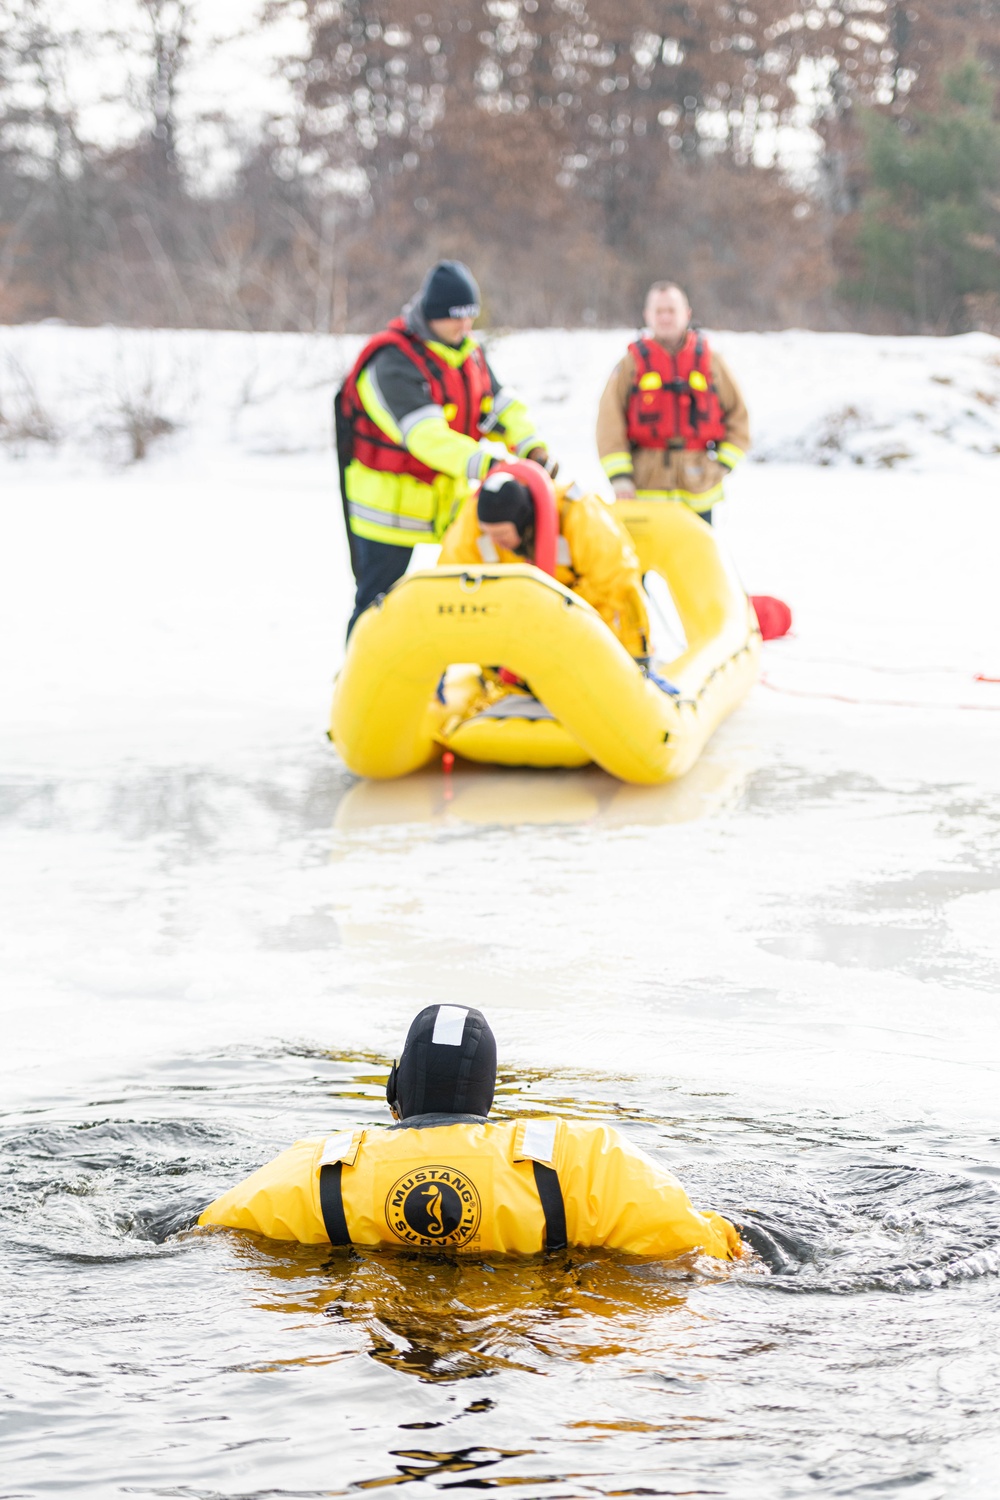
478, 1188
595, 558
403, 509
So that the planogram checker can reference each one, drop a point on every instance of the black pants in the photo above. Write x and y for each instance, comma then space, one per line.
377, 566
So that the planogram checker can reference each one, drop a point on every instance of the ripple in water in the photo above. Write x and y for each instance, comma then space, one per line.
115, 1308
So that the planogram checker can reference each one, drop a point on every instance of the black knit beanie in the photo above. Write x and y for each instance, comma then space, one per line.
449, 291
502, 498
448, 1065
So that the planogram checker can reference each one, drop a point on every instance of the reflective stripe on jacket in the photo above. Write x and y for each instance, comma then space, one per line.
475, 1187
595, 558
406, 466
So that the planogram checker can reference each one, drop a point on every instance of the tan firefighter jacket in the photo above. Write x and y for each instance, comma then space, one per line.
691, 475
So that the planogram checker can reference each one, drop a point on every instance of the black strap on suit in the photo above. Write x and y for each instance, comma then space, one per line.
331, 1202
550, 1195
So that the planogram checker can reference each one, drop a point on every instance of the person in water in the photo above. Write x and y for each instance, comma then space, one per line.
444, 1177
594, 555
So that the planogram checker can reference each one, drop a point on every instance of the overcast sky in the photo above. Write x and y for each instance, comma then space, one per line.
234, 70
233, 67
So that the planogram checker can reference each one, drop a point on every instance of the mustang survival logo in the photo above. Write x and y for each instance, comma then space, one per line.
436, 1206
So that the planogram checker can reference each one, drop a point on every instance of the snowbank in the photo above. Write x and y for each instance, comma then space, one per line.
75, 399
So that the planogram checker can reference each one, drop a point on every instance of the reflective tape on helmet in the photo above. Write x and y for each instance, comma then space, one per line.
449, 1026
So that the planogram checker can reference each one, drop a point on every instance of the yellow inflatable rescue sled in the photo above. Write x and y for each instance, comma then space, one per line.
413, 683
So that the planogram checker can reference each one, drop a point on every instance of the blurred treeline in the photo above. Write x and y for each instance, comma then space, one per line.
820, 163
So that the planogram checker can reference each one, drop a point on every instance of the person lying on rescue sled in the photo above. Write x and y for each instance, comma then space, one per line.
443, 1177
594, 557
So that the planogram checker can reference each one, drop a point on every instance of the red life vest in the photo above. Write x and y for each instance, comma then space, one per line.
460, 392
673, 402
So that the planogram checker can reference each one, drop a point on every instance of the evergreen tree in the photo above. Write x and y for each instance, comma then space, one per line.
929, 236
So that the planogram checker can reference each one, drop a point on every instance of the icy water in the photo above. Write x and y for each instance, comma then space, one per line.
858, 1353
780, 976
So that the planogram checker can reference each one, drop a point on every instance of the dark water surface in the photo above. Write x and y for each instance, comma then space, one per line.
857, 1354
779, 976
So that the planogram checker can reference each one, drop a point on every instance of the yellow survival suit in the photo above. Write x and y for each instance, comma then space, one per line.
595, 558
475, 1187
454, 1181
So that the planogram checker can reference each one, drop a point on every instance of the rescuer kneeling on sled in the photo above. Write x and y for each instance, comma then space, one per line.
594, 556
419, 420
445, 1178
672, 422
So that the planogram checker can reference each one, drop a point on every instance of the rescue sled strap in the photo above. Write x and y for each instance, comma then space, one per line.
331, 1201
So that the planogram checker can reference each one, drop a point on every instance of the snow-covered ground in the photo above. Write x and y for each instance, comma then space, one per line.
912, 405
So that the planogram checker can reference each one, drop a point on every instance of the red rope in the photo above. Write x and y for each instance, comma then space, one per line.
882, 702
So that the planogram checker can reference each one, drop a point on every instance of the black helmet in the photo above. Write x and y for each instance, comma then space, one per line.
503, 498
448, 1065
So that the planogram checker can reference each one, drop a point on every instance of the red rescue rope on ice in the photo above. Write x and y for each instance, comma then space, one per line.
882, 702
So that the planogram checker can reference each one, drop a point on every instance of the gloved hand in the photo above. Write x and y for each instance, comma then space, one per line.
649, 670
540, 455
727, 456
624, 487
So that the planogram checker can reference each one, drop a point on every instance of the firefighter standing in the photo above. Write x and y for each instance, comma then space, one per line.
420, 419
672, 422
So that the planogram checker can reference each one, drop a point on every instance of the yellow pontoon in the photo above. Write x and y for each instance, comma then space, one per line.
403, 696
